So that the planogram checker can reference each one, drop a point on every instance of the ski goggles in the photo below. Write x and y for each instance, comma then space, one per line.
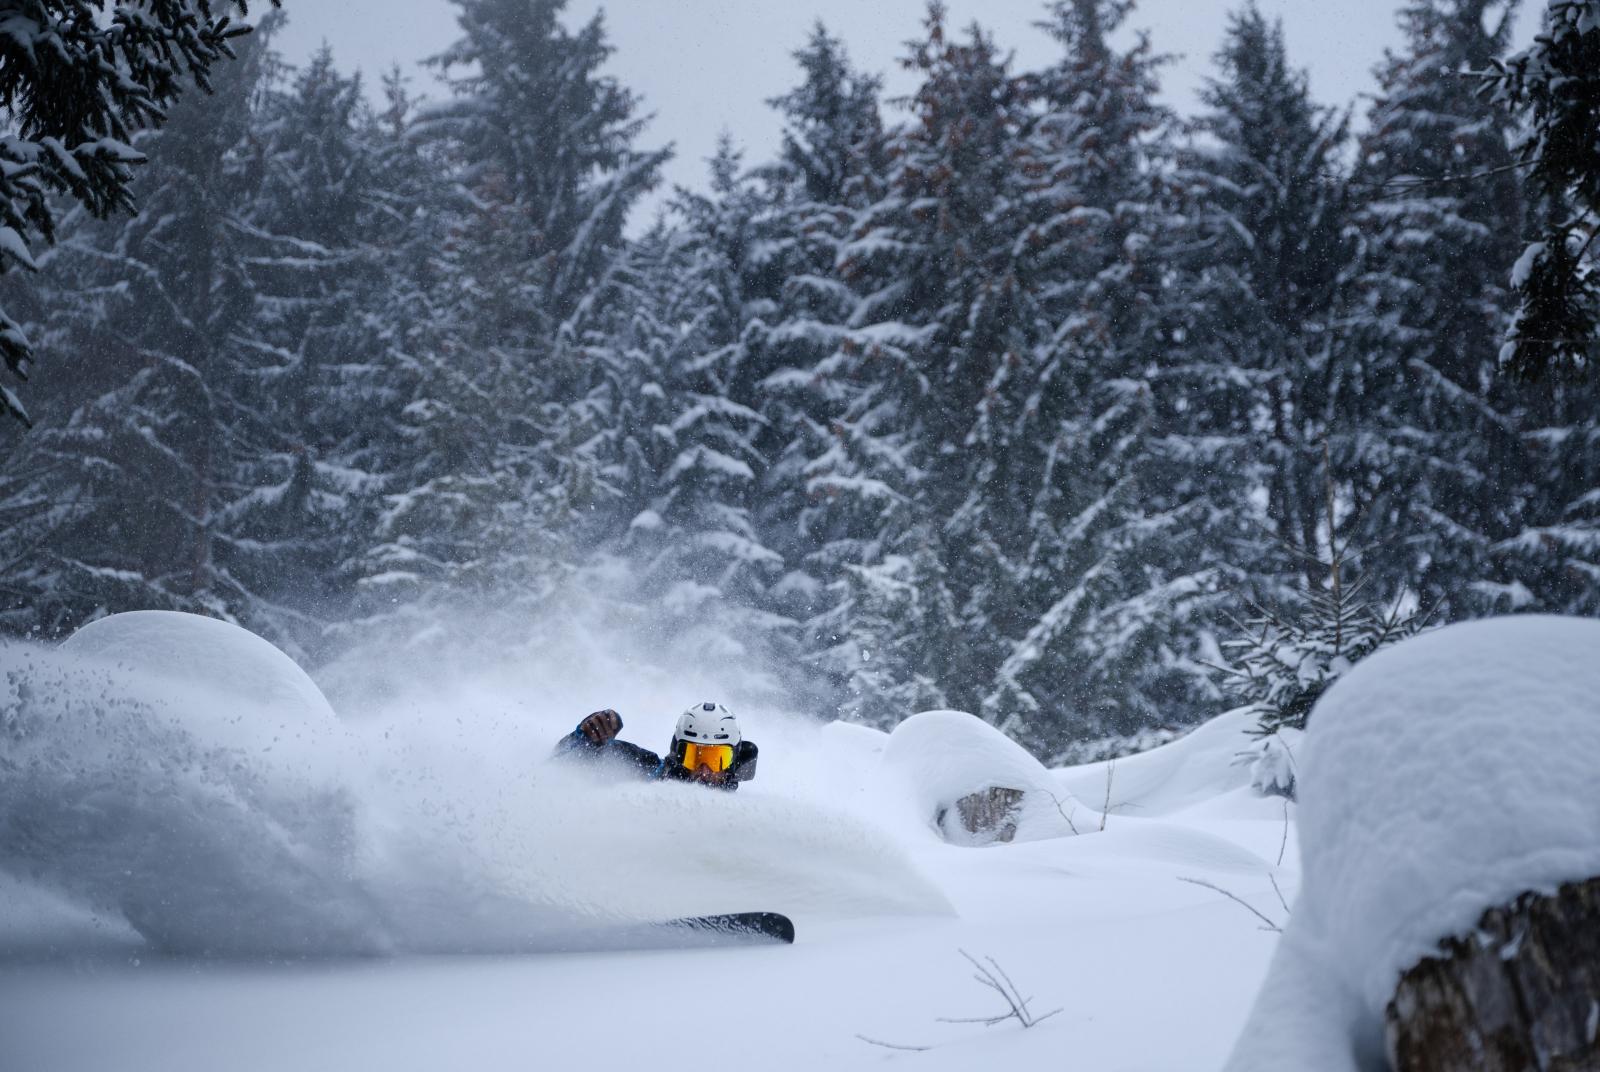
714, 757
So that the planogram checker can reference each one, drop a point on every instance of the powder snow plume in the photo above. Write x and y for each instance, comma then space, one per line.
149, 788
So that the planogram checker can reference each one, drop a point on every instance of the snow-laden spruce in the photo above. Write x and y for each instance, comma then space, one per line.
1440, 778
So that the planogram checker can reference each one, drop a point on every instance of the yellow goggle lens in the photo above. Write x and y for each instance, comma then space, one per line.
714, 757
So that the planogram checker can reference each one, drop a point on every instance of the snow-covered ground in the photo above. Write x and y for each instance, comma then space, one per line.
394, 888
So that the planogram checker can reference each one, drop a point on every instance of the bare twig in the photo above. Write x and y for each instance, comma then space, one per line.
1281, 899
993, 976
986, 1021
1284, 844
1271, 926
1335, 553
1070, 824
1293, 763
891, 1045
1111, 769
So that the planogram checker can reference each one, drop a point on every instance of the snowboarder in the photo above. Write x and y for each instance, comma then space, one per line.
706, 748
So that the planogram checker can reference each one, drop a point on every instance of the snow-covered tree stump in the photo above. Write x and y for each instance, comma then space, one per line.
990, 815
1520, 993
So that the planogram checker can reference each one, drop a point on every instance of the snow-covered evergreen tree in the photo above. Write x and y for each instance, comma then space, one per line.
1554, 86
679, 468
718, 466
830, 168
833, 133
326, 370
1428, 439
78, 78
541, 146
1274, 276
546, 141
673, 428
1551, 562
1552, 559
942, 314
1112, 569
155, 316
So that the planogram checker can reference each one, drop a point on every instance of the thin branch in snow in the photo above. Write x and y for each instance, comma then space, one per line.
892, 1045
1271, 926
1070, 824
993, 976
1281, 899
1284, 844
1111, 770
1108, 807
986, 1021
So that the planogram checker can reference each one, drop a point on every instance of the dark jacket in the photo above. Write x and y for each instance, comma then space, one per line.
627, 757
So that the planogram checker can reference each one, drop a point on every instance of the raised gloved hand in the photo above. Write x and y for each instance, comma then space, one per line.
601, 726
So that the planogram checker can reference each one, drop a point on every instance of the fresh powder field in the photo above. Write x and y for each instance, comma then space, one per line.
290, 888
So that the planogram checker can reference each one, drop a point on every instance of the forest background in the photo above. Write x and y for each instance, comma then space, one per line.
1017, 398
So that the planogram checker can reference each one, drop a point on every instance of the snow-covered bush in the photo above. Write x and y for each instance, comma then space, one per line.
1272, 764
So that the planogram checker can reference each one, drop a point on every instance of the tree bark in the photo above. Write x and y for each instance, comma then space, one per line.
986, 816
1521, 993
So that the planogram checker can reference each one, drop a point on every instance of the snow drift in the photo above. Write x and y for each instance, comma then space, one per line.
1442, 777
193, 651
184, 776
1211, 760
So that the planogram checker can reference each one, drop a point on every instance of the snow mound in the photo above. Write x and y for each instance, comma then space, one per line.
938, 757
206, 821
1205, 763
202, 652
1182, 847
1443, 776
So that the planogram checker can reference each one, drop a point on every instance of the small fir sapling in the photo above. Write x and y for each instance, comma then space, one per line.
1283, 660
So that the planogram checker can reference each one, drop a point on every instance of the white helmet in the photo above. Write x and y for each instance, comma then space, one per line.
708, 723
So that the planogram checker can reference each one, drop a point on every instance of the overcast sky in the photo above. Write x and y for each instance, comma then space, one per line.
708, 65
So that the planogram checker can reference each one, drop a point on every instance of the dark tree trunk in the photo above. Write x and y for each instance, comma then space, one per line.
1519, 994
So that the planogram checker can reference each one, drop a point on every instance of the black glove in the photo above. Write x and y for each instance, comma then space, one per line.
601, 726
744, 761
